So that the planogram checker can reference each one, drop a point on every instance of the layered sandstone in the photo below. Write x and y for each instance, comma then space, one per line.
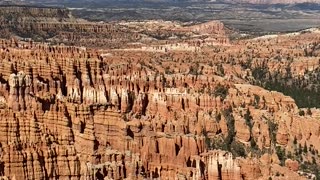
113, 113
59, 26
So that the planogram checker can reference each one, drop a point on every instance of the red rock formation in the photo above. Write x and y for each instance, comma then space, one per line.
78, 113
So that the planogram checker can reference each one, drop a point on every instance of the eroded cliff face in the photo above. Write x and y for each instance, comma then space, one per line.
59, 26
65, 115
72, 113
183, 104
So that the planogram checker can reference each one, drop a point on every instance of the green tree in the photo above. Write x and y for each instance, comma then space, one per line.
301, 113
248, 119
305, 148
295, 140
309, 112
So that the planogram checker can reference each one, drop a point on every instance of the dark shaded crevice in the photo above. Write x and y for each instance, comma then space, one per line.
78, 75
155, 174
130, 133
177, 148
3, 81
202, 167
219, 171
99, 175
43, 166
182, 104
104, 171
1, 168
45, 104
157, 147
68, 116
124, 167
188, 163
82, 127
145, 104
64, 89
96, 145
89, 73
131, 98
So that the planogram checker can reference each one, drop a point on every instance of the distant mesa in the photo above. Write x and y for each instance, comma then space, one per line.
274, 1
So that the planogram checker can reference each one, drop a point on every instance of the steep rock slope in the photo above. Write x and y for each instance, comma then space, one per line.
72, 113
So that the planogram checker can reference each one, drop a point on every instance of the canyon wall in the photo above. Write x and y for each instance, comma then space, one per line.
71, 113
186, 104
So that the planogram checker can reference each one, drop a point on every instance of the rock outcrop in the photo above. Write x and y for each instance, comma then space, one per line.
59, 26
102, 113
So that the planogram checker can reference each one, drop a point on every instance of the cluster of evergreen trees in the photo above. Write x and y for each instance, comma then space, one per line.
305, 90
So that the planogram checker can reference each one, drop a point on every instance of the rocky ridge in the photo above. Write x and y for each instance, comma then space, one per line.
58, 26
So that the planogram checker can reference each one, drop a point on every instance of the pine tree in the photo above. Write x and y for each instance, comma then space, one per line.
309, 112
300, 148
305, 148
295, 140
